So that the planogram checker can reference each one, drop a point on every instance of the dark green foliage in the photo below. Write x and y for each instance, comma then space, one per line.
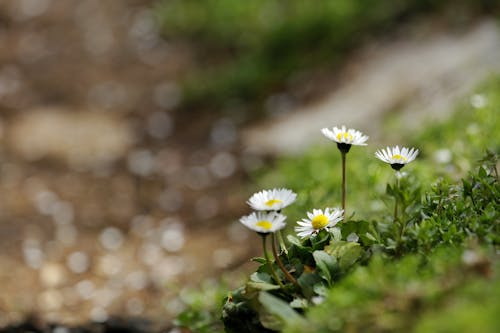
238, 316
411, 294
449, 219
454, 214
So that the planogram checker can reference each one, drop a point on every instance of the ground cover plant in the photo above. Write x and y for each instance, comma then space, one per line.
417, 250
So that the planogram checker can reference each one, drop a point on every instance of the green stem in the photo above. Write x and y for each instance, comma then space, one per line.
271, 268
495, 170
396, 198
343, 181
282, 242
280, 263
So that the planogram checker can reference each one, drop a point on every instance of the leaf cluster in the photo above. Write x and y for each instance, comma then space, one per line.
414, 294
448, 219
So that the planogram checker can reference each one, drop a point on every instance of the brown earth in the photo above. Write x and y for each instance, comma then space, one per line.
111, 203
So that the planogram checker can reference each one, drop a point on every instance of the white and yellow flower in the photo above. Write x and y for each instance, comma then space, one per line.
275, 199
396, 157
264, 222
345, 137
318, 220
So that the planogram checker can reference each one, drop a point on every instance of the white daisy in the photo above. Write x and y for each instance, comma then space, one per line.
318, 220
396, 157
345, 137
263, 222
275, 199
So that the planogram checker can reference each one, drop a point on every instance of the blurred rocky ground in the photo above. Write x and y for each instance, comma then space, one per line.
417, 75
110, 202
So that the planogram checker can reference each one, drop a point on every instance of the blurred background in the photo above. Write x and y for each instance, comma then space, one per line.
131, 130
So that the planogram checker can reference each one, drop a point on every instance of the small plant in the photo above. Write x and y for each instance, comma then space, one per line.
310, 265
433, 268
397, 158
302, 277
345, 139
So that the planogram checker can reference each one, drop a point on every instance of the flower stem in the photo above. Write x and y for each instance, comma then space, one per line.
282, 242
396, 198
343, 181
271, 268
280, 263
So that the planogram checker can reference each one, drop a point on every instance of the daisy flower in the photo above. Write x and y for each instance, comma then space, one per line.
345, 137
396, 157
318, 220
263, 222
275, 199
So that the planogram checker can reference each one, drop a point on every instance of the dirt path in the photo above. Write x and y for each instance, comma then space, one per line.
109, 203
421, 78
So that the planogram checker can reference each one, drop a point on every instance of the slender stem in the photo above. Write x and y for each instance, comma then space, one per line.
396, 210
282, 242
396, 198
343, 181
280, 263
271, 268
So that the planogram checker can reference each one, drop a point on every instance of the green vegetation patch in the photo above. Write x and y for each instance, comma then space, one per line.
417, 247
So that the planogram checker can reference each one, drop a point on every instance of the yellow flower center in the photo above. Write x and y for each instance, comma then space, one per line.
270, 203
319, 221
264, 224
398, 157
346, 136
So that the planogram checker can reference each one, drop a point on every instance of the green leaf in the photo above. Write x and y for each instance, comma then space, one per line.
389, 190
295, 241
320, 289
482, 172
277, 313
299, 303
370, 237
319, 241
326, 264
260, 277
347, 253
308, 282
261, 281
467, 187
262, 286
259, 260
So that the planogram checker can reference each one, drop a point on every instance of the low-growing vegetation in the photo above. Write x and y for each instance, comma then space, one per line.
415, 250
